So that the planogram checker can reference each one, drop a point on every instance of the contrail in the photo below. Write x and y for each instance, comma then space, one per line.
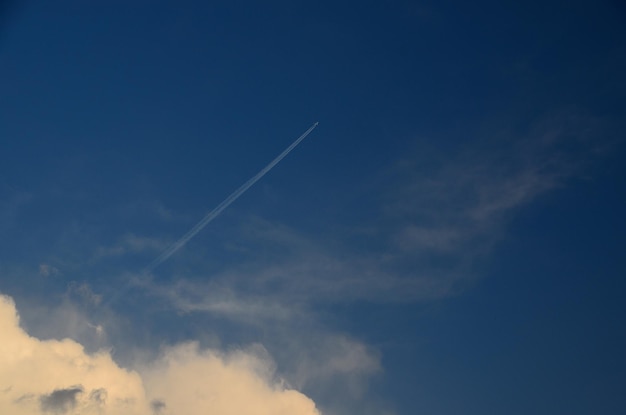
219, 208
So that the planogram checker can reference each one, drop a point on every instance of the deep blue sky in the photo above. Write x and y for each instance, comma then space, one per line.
456, 221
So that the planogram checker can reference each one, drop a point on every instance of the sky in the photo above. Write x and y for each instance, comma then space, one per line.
449, 239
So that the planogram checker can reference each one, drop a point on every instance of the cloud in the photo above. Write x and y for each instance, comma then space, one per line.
52, 369
332, 365
286, 287
61, 400
39, 377
130, 244
221, 299
85, 293
435, 219
238, 384
46, 270
157, 406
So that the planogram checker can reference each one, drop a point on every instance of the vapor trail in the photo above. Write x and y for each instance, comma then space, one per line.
219, 208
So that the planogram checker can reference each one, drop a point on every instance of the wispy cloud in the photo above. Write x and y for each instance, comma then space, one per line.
130, 244
85, 293
333, 361
47, 270
433, 225
223, 300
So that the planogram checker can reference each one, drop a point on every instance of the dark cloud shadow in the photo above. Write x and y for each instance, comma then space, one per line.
157, 406
61, 401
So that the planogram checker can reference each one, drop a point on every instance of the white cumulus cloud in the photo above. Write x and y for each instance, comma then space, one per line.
39, 377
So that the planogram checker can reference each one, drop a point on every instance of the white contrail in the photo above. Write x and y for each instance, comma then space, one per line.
219, 208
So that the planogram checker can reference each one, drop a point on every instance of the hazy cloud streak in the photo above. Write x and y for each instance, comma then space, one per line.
227, 202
